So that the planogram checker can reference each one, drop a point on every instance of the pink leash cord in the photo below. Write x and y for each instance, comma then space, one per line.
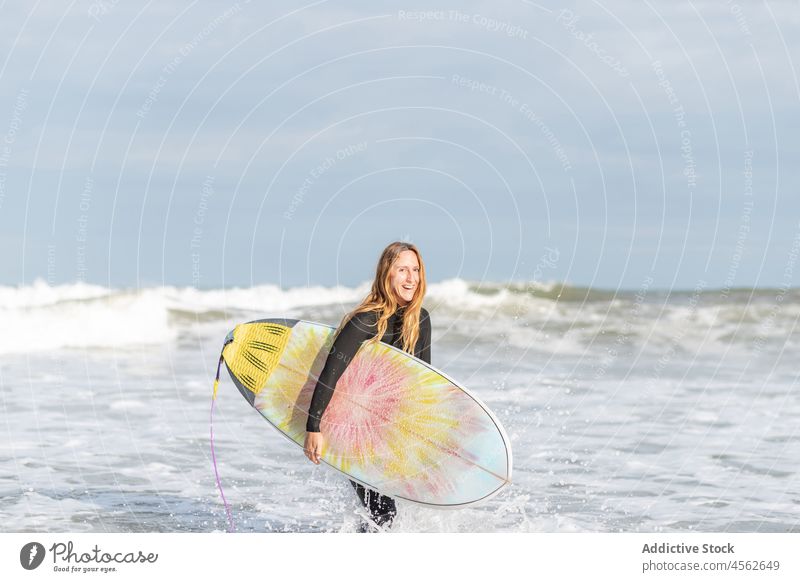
231, 526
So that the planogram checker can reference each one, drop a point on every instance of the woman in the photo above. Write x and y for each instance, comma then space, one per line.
392, 313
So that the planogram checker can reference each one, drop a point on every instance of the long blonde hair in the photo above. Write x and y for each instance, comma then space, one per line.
382, 299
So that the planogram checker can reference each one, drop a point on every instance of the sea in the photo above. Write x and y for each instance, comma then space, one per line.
642, 410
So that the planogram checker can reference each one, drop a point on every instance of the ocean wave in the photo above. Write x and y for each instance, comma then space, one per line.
39, 317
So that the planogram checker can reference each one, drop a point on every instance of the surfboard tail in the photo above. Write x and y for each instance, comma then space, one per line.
252, 352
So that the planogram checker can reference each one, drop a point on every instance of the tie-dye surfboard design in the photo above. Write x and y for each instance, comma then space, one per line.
394, 424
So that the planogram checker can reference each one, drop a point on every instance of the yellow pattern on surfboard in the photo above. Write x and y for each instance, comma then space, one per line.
255, 352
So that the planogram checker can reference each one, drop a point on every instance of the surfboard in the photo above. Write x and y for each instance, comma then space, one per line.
395, 424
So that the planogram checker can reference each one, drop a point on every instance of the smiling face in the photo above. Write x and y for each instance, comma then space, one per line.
405, 277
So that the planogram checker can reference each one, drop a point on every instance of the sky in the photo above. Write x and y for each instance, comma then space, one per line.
219, 144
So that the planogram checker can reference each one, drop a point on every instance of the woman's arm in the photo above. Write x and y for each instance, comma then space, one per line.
425, 335
360, 327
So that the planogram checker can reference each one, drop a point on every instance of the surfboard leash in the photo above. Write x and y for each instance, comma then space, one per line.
231, 525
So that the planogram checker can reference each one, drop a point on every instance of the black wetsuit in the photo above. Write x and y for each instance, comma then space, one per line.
361, 327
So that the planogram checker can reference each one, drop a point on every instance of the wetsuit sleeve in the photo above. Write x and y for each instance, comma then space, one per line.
425, 336
360, 327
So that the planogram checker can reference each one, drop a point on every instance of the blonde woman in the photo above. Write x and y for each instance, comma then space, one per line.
391, 313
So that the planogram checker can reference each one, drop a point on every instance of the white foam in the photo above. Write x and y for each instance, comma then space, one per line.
103, 321
40, 293
39, 317
127, 405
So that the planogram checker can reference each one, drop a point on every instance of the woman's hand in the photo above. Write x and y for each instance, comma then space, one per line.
313, 446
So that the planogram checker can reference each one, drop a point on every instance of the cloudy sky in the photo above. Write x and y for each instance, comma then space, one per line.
215, 143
